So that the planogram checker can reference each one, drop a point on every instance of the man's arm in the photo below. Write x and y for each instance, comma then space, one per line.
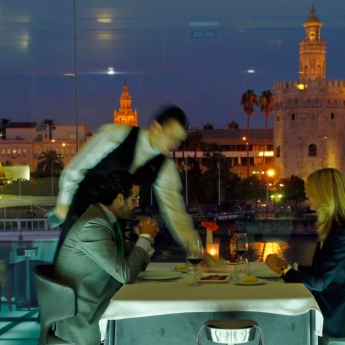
108, 138
167, 188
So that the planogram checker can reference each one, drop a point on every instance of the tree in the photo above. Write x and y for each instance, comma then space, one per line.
50, 163
248, 100
193, 141
266, 106
293, 189
251, 188
51, 125
4, 123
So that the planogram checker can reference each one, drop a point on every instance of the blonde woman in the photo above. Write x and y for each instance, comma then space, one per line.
325, 189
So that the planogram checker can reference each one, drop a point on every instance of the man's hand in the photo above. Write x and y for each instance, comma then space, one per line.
148, 226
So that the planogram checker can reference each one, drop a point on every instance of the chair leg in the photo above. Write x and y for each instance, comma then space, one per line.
5, 283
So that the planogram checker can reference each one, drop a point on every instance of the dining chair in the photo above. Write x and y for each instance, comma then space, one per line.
328, 340
56, 301
230, 331
5, 284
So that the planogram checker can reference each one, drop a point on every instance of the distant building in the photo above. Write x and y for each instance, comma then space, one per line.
126, 115
25, 142
309, 114
233, 144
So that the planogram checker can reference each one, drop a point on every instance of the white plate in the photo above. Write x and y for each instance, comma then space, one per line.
265, 273
259, 282
159, 275
205, 281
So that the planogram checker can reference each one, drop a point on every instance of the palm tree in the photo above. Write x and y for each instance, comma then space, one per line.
266, 106
49, 164
248, 100
4, 123
193, 141
51, 125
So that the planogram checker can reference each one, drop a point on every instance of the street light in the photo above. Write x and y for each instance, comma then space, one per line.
247, 149
269, 173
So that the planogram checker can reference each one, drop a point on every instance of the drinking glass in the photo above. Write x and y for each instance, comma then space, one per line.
242, 269
194, 255
241, 247
241, 244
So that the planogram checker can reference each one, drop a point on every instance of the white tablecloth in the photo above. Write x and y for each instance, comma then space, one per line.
161, 298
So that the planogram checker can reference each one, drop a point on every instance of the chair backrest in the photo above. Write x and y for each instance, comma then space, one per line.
230, 331
56, 300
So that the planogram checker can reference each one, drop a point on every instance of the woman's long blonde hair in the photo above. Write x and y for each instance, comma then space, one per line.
327, 187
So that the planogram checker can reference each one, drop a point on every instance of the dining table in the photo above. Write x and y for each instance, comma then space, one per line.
160, 307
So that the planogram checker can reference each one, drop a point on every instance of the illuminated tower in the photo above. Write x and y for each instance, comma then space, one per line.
126, 115
312, 51
309, 113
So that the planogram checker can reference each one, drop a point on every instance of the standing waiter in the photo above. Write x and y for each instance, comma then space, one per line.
140, 151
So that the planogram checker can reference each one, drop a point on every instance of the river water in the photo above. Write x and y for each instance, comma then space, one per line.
294, 240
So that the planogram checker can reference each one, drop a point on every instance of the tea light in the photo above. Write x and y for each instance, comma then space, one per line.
213, 250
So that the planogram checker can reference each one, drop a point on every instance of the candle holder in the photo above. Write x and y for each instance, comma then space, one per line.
213, 250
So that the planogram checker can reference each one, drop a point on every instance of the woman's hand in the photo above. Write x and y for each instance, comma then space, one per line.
275, 263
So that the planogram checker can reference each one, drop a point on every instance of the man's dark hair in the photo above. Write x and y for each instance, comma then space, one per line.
117, 182
172, 112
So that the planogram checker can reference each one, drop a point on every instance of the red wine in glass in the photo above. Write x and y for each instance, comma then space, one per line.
194, 254
194, 261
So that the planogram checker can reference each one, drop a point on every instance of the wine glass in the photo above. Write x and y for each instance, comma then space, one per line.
241, 247
194, 254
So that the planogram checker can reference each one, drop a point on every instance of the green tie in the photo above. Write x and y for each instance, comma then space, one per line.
119, 238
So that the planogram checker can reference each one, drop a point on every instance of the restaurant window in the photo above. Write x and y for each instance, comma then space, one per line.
312, 151
278, 151
37, 153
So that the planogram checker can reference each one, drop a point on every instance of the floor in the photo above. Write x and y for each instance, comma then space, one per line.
18, 327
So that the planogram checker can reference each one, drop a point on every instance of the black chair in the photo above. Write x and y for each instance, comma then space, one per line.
230, 332
57, 301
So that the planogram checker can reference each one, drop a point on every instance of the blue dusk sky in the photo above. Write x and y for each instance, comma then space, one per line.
193, 53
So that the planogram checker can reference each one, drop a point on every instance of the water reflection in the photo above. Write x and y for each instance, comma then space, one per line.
262, 249
17, 257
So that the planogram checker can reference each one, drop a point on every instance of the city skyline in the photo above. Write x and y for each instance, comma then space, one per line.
194, 54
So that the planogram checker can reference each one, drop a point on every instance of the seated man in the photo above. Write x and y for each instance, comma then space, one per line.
92, 258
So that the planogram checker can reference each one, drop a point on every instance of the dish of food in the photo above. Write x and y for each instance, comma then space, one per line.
214, 279
180, 268
159, 275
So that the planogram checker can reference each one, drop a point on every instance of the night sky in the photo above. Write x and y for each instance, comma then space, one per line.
193, 53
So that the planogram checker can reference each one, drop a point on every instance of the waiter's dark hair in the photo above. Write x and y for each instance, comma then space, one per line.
117, 182
172, 112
